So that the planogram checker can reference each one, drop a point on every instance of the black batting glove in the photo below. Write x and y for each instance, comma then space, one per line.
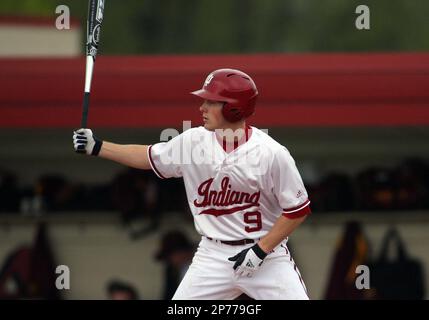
248, 261
85, 142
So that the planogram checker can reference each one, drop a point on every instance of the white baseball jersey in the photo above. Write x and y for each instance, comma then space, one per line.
237, 194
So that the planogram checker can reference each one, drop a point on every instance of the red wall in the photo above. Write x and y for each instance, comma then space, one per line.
153, 91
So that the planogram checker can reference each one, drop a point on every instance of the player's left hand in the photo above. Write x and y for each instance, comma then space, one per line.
248, 261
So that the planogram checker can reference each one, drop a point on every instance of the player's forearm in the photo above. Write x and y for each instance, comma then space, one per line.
281, 229
131, 155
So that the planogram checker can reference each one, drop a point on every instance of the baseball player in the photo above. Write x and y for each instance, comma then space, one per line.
243, 188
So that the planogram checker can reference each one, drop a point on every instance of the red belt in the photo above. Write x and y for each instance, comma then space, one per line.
234, 242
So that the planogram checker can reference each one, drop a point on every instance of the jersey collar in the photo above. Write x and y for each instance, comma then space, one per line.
229, 147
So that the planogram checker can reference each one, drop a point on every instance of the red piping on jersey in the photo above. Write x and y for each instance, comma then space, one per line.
152, 164
298, 211
221, 212
247, 132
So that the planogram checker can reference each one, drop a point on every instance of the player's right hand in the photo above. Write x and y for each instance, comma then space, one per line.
84, 141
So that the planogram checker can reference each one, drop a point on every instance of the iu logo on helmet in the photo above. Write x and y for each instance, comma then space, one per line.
208, 80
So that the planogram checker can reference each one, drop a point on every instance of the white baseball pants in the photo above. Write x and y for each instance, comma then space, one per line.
211, 276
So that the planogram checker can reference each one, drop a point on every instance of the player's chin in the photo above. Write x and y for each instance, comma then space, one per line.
208, 126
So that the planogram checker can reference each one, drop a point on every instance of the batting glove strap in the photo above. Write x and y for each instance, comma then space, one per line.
259, 252
97, 147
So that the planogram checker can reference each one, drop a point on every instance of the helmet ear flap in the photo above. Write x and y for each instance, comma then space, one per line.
232, 113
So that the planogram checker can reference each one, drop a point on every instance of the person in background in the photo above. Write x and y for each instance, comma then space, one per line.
176, 252
119, 290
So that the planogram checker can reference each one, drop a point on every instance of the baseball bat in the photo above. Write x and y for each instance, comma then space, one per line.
93, 27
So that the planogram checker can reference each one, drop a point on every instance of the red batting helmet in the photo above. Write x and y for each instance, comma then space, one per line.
233, 87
